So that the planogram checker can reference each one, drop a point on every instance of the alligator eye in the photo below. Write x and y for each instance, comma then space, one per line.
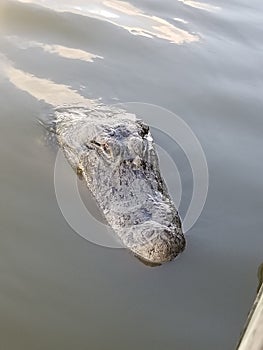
104, 146
144, 128
94, 142
110, 148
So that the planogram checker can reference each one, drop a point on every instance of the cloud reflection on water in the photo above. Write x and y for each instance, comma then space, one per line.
124, 15
200, 5
40, 88
62, 51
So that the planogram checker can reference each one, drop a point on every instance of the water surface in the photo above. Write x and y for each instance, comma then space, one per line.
201, 60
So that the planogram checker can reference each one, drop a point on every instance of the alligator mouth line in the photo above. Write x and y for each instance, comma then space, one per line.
147, 262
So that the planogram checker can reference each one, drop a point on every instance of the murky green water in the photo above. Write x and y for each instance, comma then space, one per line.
203, 61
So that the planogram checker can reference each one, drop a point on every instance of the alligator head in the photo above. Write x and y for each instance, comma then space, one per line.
116, 156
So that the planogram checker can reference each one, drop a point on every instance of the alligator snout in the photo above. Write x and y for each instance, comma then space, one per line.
155, 243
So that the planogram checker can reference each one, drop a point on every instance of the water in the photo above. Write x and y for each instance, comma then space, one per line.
202, 61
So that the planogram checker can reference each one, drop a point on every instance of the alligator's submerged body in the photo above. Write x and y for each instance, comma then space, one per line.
116, 156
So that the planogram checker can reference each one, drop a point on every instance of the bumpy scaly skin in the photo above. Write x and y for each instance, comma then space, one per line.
115, 153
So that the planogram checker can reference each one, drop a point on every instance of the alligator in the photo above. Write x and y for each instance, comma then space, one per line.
114, 153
